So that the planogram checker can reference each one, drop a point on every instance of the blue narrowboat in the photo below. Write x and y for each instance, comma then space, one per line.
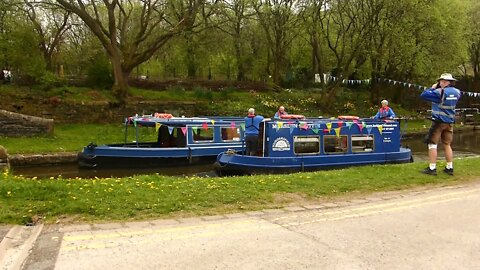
176, 141
313, 144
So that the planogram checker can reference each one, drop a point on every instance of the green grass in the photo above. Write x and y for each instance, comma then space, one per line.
73, 137
154, 196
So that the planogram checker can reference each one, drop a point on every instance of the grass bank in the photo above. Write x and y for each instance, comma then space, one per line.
73, 137
153, 196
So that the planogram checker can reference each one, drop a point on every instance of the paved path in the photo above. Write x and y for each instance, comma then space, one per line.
434, 229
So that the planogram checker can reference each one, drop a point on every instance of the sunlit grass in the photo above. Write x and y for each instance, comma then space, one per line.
155, 196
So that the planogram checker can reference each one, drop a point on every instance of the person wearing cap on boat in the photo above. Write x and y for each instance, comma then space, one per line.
252, 129
281, 111
385, 112
444, 97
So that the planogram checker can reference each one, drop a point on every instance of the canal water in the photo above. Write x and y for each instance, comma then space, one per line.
466, 143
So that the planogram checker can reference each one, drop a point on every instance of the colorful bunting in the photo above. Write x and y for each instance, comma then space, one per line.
349, 124
157, 126
232, 125
213, 122
170, 130
360, 127
337, 131
380, 129
315, 130
340, 123
184, 130
205, 126
329, 126
369, 129
195, 129
242, 125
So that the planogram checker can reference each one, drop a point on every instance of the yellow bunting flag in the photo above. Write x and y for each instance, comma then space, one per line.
280, 124
337, 131
380, 129
213, 122
157, 126
329, 126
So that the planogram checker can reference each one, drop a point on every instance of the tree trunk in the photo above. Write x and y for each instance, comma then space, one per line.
120, 85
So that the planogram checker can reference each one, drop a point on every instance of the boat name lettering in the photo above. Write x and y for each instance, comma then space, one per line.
387, 140
295, 125
280, 144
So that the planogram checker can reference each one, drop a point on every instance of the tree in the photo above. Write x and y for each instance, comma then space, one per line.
279, 24
50, 23
132, 31
235, 15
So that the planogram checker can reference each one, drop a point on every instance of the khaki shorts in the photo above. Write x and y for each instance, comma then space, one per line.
439, 131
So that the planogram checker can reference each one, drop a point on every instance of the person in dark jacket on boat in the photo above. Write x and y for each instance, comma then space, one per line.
444, 98
252, 129
385, 112
281, 111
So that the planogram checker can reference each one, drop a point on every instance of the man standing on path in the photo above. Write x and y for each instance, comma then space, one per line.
252, 129
444, 98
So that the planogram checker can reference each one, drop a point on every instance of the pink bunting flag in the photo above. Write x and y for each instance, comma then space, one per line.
232, 125
340, 123
184, 130
205, 126
360, 126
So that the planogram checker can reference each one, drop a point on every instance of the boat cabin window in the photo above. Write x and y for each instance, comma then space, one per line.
203, 135
362, 143
335, 144
305, 145
174, 138
230, 134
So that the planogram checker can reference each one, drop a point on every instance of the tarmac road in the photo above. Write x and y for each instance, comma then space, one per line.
430, 229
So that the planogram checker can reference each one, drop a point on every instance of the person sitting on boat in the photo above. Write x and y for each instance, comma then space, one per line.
385, 112
281, 111
252, 129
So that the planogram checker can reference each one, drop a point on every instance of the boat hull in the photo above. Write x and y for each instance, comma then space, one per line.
127, 157
235, 164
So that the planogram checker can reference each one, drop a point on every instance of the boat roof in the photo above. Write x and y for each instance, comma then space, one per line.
151, 121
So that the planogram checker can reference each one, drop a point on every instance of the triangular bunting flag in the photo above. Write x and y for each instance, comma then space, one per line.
369, 129
337, 131
205, 126
170, 130
195, 129
232, 125
360, 127
329, 126
315, 130
213, 122
348, 124
242, 125
340, 124
184, 130
380, 129
157, 126
291, 129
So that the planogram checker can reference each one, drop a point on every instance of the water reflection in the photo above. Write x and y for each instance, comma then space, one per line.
466, 143
72, 171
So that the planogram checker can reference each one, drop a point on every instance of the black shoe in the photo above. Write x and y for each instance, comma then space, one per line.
448, 171
430, 172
